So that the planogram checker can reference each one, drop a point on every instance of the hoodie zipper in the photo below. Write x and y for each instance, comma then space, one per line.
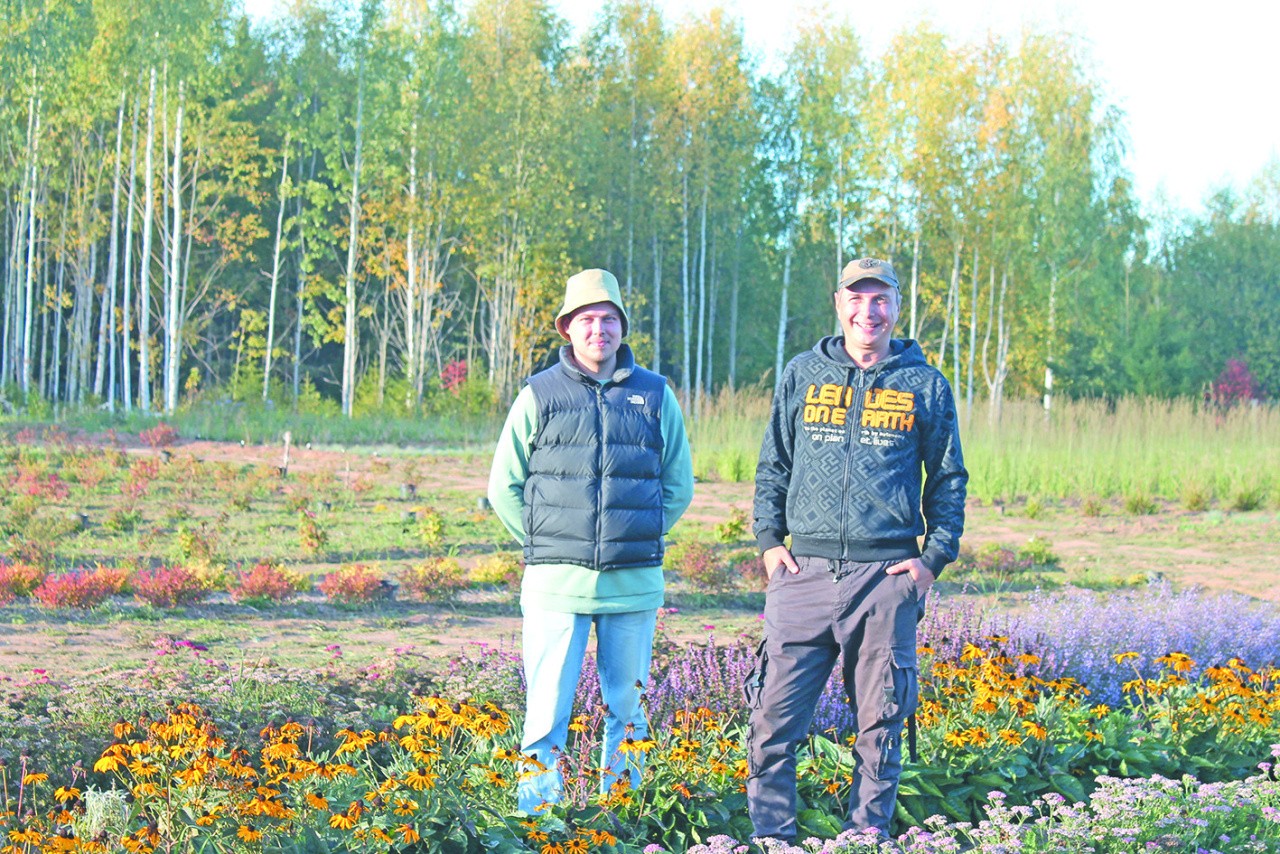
856, 376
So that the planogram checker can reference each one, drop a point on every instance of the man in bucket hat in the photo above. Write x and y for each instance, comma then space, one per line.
591, 470
854, 422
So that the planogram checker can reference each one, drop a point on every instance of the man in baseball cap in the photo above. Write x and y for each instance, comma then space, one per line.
840, 505
591, 471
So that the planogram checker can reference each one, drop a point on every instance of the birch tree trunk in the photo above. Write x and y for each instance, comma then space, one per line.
915, 283
60, 279
353, 211
955, 318
686, 287
275, 274
1053, 331
107, 325
126, 368
29, 286
657, 300
412, 372
144, 283
780, 346
735, 286
950, 308
699, 381
173, 332
973, 337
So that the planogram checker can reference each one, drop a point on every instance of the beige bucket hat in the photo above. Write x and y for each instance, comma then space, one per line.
587, 288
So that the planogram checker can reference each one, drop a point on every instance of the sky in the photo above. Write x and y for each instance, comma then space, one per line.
1197, 82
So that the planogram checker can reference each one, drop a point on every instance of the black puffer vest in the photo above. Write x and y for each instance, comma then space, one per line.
594, 492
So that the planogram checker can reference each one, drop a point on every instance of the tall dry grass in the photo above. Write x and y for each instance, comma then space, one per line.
1130, 449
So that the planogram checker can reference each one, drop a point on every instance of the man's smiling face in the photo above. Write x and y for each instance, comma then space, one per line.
868, 312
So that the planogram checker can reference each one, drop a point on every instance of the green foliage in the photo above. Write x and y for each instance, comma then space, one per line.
701, 565
734, 528
429, 527
1139, 503
434, 580
1196, 497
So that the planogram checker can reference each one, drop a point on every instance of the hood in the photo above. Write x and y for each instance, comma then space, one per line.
902, 351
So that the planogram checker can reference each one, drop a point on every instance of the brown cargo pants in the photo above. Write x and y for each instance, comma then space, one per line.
812, 617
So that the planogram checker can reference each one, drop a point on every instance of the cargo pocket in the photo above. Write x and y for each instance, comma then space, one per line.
753, 685
900, 696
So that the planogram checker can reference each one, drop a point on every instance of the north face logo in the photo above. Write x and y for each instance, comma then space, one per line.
638, 400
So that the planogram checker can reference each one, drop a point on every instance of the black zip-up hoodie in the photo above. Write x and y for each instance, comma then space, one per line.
840, 467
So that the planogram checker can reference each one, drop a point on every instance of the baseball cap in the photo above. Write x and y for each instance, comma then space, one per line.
868, 268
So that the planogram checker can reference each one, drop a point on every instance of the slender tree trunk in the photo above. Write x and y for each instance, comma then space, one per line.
126, 368
1053, 332
712, 299
349, 342
781, 344
45, 327
31, 254
300, 306
411, 272
173, 350
915, 283
973, 337
686, 288
144, 284
955, 337
59, 332
16, 216
839, 235
657, 300
702, 302
735, 288
107, 340
275, 273
948, 311
1002, 353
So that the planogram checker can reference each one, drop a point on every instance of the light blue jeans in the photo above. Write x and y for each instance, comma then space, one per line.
554, 646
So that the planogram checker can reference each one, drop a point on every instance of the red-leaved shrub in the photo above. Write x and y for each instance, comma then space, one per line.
355, 583
1236, 384
169, 587
80, 588
160, 436
266, 583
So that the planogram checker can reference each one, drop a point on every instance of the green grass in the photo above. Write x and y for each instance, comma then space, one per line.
1174, 451
255, 424
1146, 448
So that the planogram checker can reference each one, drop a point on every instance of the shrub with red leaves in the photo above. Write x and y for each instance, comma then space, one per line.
169, 587
39, 484
160, 436
266, 583
453, 375
1236, 384
353, 584
79, 588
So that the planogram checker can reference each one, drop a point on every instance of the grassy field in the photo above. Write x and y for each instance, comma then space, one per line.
1133, 450
153, 512
220, 508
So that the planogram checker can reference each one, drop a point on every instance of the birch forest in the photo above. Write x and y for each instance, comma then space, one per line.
365, 200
